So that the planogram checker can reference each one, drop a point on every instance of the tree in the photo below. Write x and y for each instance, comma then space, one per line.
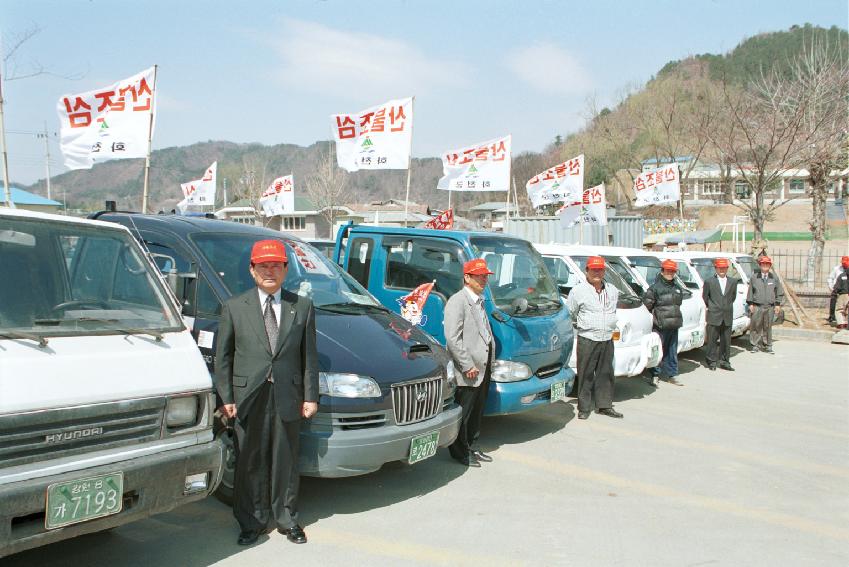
326, 186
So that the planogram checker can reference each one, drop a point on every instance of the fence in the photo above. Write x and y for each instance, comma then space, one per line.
793, 265
620, 231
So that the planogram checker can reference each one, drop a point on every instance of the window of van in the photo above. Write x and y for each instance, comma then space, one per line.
412, 262
563, 276
706, 270
617, 266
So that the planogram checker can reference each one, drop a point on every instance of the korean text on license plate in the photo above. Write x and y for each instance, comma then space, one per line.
558, 391
423, 447
83, 499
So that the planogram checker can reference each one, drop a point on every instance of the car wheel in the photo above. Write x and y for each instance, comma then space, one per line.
228, 475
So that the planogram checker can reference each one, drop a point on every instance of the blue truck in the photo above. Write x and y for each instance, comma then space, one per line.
531, 324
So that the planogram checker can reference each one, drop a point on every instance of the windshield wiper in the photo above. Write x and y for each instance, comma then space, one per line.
128, 330
155, 334
42, 342
352, 306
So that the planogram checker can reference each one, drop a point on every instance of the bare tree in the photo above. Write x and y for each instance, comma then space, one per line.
816, 89
326, 187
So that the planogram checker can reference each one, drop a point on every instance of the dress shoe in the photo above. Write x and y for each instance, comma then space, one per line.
726, 366
294, 534
653, 380
711, 366
481, 456
610, 412
583, 415
754, 349
247, 537
769, 350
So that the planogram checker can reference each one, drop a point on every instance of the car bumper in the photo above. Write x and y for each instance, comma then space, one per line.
340, 453
153, 484
739, 326
632, 359
690, 338
515, 397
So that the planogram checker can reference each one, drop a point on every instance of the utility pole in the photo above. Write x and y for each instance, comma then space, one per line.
46, 156
9, 202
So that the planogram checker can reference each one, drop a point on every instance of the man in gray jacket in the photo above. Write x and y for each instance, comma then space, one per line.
593, 308
472, 348
764, 299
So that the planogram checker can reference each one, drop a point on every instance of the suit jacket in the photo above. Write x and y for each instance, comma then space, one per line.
465, 337
765, 292
244, 359
720, 307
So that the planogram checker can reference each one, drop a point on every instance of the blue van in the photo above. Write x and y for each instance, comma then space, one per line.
386, 386
532, 326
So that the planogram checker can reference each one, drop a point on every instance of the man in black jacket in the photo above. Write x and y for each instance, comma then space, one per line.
719, 293
841, 293
663, 299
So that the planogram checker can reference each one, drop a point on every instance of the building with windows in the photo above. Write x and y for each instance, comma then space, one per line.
305, 221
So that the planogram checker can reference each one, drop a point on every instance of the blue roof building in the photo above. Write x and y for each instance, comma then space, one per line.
29, 201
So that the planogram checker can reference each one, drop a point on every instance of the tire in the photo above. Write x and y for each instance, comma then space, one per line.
224, 493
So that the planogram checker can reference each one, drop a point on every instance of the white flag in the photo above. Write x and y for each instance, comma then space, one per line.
481, 167
279, 198
657, 186
592, 208
109, 123
562, 183
379, 137
200, 191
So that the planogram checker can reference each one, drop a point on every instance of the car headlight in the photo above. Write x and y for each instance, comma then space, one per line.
509, 371
347, 385
181, 411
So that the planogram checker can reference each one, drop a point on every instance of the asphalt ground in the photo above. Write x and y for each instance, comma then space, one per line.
734, 468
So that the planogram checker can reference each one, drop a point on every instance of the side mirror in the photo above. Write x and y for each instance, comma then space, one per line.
519, 305
564, 289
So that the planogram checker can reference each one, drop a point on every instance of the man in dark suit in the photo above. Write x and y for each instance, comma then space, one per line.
719, 293
266, 372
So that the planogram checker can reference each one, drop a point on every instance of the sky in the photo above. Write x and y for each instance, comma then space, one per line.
274, 71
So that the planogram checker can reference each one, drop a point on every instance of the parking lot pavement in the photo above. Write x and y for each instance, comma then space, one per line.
734, 468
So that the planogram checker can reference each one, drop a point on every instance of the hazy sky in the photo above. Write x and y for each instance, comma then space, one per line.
273, 72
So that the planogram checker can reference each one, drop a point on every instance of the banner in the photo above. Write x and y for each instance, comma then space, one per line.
413, 303
481, 167
592, 208
658, 186
444, 221
379, 137
559, 184
109, 123
200, 191
279, 198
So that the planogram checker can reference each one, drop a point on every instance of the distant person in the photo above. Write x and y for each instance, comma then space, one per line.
266, 373
764, 300
832, 279
470, 342
663, 300
593, 307
719, 293
840, 292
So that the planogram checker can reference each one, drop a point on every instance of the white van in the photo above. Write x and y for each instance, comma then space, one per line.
636, 346
105, 402
703, 263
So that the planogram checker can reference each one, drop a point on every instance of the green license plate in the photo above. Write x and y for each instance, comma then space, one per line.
697, 336
558, 391
423, 447
83, 499
655, 352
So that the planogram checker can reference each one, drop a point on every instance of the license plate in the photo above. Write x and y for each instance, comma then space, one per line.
655, 352
423, 447
697, 336
83, 499
558, 391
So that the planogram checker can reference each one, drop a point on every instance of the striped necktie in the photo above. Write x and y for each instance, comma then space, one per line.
271, 326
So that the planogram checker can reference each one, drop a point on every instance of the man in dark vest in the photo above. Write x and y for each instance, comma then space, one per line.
719, 293
266, 372
764, 300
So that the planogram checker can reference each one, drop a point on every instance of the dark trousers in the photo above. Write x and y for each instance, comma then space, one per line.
832, 305
267, 480
718, 341
595, 374
760, 327
668, 366
472, 401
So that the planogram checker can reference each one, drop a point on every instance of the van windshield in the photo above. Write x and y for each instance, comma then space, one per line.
519, 272
627, 298
311, 273
687, 274
706, 270
62, 278
747, 264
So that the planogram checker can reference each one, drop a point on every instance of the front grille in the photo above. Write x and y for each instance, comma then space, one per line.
50, 434
550, 370
353, 422
416, 401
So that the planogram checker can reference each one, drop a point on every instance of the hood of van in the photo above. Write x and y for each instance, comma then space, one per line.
81, 370
378, 344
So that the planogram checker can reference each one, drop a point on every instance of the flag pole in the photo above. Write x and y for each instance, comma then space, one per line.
515, 195
409, 162
149, 145
509, 176
9, 202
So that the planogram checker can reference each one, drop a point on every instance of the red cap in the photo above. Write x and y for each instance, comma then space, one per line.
844, 261
670, 265
765, 260
268, 251
595, 263
721, 262
476, 267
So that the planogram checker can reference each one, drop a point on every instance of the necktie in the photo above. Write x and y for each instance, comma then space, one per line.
271, 326
483, 321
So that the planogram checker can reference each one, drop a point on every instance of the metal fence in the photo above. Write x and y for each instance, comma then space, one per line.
793, 265
620, 231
